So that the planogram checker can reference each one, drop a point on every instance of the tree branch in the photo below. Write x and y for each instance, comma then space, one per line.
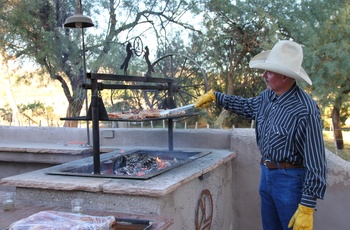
65, 88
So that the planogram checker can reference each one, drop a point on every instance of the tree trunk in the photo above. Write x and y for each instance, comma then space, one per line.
337, 128
16, 117
75, 99
10, 99
74, 110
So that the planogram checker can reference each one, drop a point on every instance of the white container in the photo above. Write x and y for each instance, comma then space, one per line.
8, 202
78, 205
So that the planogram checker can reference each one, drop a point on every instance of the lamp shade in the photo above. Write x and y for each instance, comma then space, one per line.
78, 20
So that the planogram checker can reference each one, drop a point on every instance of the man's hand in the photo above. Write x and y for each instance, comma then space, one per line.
302, 219
205, 100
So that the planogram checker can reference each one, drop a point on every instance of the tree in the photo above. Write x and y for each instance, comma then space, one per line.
244, 28
6, 83
326, 53
35, 31
235, 32
5, 77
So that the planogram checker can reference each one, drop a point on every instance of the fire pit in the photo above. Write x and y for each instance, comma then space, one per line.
134, 164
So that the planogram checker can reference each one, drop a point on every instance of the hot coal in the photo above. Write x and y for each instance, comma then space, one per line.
138, 164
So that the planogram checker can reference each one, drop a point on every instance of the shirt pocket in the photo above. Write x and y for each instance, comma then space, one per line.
278, 137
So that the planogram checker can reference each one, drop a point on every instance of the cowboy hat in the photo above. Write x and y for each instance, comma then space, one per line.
285, 58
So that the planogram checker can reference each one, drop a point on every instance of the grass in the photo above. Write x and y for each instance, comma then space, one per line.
330, 145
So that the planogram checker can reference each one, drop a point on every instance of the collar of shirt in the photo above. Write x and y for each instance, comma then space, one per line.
284, 98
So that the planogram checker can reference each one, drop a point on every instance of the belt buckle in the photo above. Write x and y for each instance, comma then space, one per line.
265, 162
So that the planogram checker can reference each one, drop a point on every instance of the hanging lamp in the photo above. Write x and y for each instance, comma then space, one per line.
78, 20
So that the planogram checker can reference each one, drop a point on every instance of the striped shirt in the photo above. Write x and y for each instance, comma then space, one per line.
288, 129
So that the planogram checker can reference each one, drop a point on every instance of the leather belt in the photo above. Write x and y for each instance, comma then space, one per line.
279, 165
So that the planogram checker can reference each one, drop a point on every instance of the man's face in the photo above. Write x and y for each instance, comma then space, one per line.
274, 81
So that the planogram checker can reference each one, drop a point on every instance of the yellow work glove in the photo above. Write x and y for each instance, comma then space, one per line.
205, 100
302, 219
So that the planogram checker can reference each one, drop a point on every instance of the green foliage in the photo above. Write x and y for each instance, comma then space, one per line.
6, 113
35, 112
325, 36
34, 29
35, 109
326, 55
232, 33
235, 32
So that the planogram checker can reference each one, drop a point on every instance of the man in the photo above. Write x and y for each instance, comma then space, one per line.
289, 137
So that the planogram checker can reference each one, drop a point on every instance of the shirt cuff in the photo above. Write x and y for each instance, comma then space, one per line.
308, 201
219, 98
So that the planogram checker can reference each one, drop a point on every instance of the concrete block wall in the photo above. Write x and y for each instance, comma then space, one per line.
43, 135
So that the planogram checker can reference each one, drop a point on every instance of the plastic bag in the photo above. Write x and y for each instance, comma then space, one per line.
52, 220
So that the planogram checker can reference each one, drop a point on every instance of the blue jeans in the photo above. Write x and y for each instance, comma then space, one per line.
280, 192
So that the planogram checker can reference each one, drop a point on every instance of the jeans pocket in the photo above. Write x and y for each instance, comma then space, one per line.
293, 172
294, 176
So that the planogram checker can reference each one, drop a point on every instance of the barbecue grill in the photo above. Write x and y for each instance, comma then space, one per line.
134, 164
174, 83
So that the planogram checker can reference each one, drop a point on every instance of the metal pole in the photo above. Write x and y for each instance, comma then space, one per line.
95, 126
86, 96
170, 134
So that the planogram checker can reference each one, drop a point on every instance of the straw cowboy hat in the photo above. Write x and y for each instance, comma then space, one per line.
284, 58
